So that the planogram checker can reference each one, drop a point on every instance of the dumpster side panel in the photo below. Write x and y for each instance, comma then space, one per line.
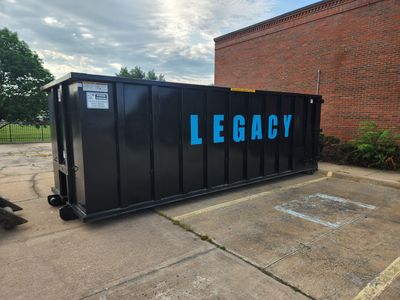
137, 102
254, 143
193, 156
284, 142
217, 153
271, 150
299, 122
167, 136
237, 146
99, 147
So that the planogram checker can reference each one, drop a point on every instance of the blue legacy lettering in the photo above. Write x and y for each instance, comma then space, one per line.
239, 128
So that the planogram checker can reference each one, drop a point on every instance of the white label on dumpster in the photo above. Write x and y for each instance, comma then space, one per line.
95, 87
97, 100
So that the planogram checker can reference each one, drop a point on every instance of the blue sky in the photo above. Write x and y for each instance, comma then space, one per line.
174, 37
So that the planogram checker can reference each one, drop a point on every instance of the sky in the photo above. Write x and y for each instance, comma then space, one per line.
173, 37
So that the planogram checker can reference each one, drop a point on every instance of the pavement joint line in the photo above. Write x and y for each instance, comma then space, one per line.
40, 236
381, 282
233, 253
246, 198
164, 265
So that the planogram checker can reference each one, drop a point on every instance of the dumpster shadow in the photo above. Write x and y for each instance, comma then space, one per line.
221, 193
127, 217
120, 219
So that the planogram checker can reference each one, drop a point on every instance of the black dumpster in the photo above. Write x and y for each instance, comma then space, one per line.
121, 145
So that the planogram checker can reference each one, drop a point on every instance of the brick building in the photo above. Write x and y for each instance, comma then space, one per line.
355, 45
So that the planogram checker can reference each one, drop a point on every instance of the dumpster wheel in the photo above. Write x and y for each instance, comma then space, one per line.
55, 200
67, 213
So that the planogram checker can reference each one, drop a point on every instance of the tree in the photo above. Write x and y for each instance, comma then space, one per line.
138, 73
151, 75
21, 76
161, 77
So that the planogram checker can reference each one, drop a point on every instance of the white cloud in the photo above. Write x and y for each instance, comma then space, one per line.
54, 55
116, 66
87, 36
53, 22
173, 37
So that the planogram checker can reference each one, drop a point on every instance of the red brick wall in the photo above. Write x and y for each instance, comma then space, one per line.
355, 44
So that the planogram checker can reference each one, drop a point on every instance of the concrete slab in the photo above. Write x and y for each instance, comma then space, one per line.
343, 262
74, 263
272, 239
209, 275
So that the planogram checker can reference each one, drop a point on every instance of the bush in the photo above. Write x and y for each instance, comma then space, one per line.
334, 151
373, 148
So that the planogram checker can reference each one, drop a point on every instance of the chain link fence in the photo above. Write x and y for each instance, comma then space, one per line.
16, 133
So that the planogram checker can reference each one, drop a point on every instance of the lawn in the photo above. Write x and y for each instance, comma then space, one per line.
14, 133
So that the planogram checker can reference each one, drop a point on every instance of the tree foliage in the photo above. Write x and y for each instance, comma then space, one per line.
21, 76
138, 73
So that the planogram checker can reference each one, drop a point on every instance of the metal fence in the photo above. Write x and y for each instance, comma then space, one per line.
16, 133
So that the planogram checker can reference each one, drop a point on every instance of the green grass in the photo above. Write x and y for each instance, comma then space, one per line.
14, 133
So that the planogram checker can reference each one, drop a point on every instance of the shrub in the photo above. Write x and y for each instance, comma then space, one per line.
375, 147
334, 151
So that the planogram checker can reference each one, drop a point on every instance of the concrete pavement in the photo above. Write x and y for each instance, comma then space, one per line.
294, 238
141, 256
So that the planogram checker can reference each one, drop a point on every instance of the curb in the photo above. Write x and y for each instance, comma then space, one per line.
386, 183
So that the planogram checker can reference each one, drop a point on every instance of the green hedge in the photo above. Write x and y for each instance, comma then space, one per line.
372, 148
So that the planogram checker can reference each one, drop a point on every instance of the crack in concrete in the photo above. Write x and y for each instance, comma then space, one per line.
318, 238
34, 185
237, 255
150, 272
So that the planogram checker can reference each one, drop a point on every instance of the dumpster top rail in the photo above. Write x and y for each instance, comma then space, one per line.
73, 76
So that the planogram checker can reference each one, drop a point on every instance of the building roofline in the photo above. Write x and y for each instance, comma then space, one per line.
300, 12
